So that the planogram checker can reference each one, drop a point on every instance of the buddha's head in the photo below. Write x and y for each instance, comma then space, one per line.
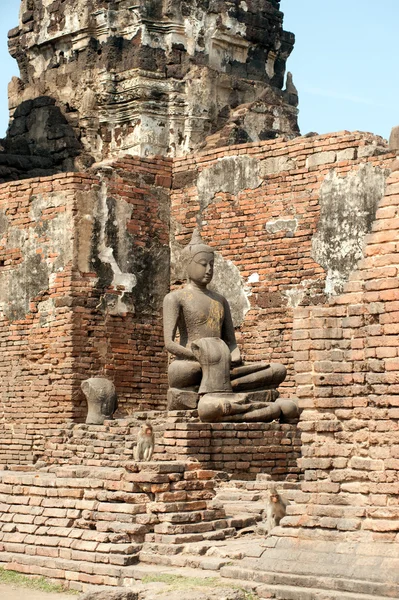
199, 260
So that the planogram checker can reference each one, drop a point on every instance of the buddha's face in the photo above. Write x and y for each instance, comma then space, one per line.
200, 269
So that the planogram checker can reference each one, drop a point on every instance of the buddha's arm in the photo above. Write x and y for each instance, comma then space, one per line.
229, 336
171, 311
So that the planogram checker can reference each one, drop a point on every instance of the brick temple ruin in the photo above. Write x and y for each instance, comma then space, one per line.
130, 124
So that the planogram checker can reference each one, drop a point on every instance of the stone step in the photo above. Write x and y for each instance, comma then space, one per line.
187, 528
159, 548
287, 592
138, 572
329, 585
237, 508
186, 538
209, 563
191, 517
235, 495
231, 548
256, 490
240, 521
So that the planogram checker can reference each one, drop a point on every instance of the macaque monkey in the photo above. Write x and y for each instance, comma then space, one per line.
276, 509
145, 443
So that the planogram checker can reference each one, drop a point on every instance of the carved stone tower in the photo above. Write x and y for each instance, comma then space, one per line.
147, 76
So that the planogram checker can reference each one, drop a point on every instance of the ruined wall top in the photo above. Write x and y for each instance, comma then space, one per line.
154, 76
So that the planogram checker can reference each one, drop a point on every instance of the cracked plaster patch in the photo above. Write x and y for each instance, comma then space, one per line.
276, 164
231, 175
347, 210
296, 293
254, 278
122, 281
284, 224
37, 271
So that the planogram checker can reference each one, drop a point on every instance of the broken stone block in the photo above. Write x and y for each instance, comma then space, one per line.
182, 399
321, 158
394, 139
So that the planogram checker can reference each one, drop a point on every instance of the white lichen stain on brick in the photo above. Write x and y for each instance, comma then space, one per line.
276, 164
123, 282
37, 271
348, 207
321, 158
296, 293
283, 224
227, 280
231, 175
254, 278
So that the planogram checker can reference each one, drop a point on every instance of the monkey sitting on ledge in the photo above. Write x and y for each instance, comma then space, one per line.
145, 443
276, 509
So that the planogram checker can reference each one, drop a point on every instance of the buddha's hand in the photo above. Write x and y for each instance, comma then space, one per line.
272, 395
226, 407
184, 353
236, 359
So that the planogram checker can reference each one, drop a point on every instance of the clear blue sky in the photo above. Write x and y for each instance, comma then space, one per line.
344, 63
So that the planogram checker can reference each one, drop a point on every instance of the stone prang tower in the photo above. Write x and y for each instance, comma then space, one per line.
100, 78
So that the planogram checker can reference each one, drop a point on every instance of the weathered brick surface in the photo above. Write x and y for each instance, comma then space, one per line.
36, 327
55, 324
268, 231
83, 321
347, 372
242, 450
126, 345
91, 523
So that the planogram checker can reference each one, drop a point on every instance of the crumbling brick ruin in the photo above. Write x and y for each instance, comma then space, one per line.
130, 126
100, 78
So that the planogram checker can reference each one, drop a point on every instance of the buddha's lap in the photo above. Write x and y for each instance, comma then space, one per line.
188, 373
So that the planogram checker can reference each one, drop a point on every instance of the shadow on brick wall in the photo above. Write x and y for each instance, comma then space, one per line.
40, 141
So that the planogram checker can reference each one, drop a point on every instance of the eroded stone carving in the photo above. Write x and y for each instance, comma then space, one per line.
101, 399
152, 77
208, 360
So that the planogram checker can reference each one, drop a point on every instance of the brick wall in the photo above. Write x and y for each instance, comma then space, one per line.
84, 264
118, 334
86, 527
58, 322
240, 449
347, 363
37, 237
267, 227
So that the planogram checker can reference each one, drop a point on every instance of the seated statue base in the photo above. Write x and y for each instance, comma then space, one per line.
239, 408
188, 399
182, 399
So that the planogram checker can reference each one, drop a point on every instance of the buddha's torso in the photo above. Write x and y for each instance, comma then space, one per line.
201, 314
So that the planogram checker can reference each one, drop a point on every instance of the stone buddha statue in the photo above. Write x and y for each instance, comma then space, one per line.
208, 372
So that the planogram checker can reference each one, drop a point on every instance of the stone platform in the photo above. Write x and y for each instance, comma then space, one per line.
98, 526
322, 569
87, 524
242, 450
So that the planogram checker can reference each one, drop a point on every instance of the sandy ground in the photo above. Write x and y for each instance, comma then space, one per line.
8, 592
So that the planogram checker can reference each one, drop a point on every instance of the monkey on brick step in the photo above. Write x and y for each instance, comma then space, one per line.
276, 509
145, 443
